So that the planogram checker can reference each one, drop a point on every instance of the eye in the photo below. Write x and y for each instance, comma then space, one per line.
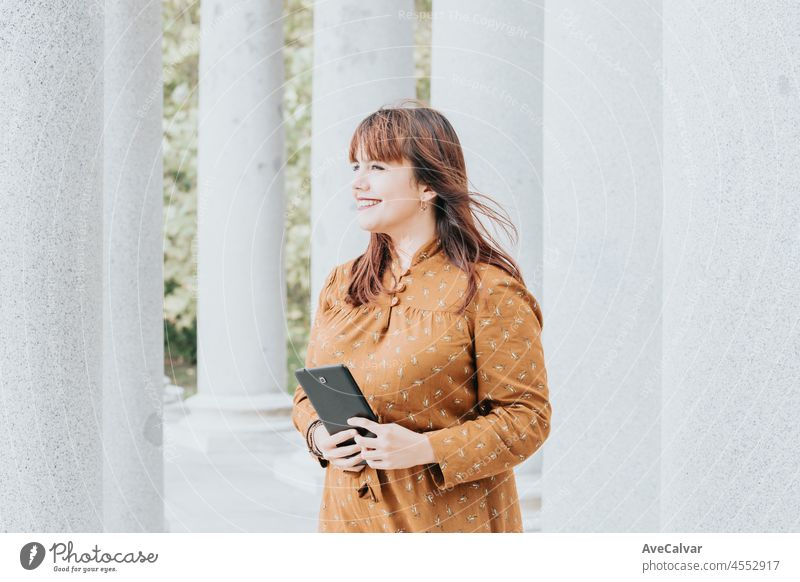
377, 167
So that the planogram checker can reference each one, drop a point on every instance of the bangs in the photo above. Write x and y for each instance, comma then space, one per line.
382, 137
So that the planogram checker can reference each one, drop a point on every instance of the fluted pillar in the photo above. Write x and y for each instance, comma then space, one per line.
51, 335
603, 201
133, 282
241, 327
486, 77
241, 319
730, 402
363, 58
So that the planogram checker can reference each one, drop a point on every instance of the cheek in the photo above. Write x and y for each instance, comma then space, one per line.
401, 205
398, 210
401, 198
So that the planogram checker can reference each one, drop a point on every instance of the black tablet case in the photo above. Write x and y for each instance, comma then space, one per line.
335, 396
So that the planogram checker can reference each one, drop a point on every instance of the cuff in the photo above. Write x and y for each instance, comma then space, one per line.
443, 476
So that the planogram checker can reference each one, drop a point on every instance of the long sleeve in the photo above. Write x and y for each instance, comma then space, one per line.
303, 413
511, 379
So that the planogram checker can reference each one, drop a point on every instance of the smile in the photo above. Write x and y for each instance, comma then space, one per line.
362, 204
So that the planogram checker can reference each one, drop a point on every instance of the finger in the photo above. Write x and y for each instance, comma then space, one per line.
367, 442
343, 463
378, 464
355, 469
373, 455
354, 460
339, 452
342, 436
368, 424
339, 463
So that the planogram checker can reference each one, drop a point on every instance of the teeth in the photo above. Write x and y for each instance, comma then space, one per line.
365, 203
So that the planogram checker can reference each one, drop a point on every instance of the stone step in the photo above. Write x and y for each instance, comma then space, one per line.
531, 523
220, 432
529, 490
528, 485
297, 469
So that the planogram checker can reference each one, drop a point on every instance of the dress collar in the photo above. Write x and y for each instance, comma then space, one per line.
427, 250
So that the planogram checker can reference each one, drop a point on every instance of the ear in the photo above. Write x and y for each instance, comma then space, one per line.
428, 194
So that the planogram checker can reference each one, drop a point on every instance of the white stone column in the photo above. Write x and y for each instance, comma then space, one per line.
731, 254
486, 77
363, 58
602, 302
133, 283
51, 169
241, 315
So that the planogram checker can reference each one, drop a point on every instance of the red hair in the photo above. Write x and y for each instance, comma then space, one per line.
422, 137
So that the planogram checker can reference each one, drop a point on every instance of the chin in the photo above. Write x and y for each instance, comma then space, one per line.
369, 225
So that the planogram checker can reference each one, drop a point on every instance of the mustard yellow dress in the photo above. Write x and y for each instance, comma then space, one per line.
475, 383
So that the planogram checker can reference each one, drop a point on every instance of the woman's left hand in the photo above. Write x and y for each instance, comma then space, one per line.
394, 446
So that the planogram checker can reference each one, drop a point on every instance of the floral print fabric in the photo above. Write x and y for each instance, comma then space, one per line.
474, 383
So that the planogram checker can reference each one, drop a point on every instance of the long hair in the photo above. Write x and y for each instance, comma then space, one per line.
424, 137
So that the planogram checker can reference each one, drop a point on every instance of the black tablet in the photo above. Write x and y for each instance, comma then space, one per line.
335, 396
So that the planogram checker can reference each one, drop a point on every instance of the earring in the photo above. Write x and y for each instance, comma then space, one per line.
422, 205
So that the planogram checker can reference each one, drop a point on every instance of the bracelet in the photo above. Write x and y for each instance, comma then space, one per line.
309, 430
312, 446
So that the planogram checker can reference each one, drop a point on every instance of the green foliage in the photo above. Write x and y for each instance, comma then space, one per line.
181, 341
422, 50
180, 53
298, 63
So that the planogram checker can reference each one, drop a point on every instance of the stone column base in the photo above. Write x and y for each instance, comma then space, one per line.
233, 423
529, 490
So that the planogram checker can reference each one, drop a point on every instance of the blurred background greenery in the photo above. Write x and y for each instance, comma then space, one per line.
180, 53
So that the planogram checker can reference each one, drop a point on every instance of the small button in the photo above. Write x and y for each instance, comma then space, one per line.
395, 301
400, 288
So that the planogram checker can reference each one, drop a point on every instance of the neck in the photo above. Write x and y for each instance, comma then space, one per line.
406, 245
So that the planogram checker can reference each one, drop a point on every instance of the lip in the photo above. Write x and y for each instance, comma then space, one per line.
359, 209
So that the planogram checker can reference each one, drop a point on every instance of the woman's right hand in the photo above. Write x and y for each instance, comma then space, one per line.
327, 444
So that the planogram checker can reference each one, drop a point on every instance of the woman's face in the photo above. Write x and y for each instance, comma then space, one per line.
392, 185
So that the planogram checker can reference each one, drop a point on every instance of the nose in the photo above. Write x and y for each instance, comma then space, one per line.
359, 182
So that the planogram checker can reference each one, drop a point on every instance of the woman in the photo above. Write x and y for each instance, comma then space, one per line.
441, 334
